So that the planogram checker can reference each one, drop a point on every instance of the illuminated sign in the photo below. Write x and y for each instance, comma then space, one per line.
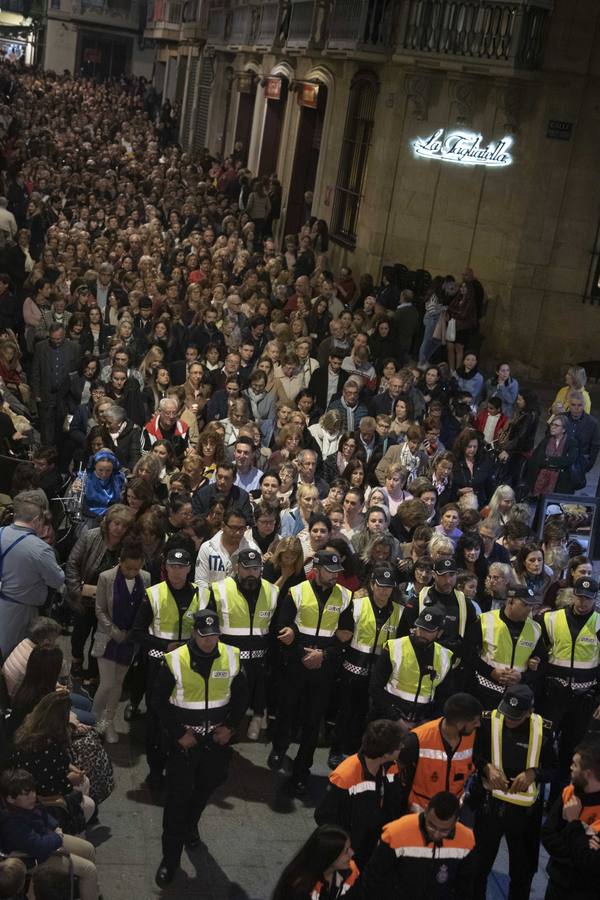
464, 148
273, 89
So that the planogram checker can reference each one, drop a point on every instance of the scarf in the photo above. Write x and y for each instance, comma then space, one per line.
350, 410
125, 607
254, 398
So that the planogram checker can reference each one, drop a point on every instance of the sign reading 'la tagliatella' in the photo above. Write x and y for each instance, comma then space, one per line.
464, 148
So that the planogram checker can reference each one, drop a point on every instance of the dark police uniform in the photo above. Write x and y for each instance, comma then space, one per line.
407, 676
246, 618
313, 613
571, 690
198, 692
515, 816
496, 642
371, 626
165, 617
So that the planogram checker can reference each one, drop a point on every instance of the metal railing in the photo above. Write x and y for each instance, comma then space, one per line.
356, 24
268, 26
300, 23
164, 12
504, 31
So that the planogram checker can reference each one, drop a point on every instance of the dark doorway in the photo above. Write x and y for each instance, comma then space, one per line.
243, 126
104, 57
272, 131
306, 160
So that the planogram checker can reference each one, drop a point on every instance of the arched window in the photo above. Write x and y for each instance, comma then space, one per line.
358, 133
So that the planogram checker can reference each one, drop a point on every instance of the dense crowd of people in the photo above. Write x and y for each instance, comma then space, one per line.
270, 501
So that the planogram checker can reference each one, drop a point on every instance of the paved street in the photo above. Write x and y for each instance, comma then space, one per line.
250, 831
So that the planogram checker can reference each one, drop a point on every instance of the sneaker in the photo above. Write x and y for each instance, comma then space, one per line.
110, 734
254, 728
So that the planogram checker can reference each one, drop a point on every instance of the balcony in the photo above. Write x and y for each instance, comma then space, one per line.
503, 34
119, 13
360, 26
193, 20
243, 26
267, 32
301, 28
163, 19
218, 25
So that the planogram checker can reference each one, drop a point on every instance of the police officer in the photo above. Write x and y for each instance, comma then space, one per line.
200, 697
246, 604
309, 621
424, 856
440, 752
410, 670
513, 752
163, 622
366, 790
459, 612
506, 647
372, 618
570, 689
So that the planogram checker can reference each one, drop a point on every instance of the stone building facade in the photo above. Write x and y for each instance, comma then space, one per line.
332, 96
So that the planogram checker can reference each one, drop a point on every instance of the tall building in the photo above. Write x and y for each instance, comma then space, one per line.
437, 134
98, 38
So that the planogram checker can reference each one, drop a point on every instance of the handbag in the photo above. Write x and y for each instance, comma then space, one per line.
89, 755
451, 330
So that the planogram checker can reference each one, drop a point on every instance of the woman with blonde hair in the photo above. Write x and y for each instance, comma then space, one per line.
575, 380
284, 564
500, 506
439, 547
288, 443
294, 520
153, 358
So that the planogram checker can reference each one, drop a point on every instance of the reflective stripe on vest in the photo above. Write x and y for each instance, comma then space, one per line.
462, 608
405, 838
536, 733
586, 653
498, 646
365, 626
343, 881
232, 608
165, 618
308, 610
406, 680
192, 691
435, 772
589, 815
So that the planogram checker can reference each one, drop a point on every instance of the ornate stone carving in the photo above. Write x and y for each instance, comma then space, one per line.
509, 99
417, 89
462, 101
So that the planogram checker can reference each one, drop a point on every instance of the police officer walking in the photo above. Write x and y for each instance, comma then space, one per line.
506, 647
410, 670
571, 677
459, 613
514, 752
246, 605
163, 622
309, 621
200, 697
372, 618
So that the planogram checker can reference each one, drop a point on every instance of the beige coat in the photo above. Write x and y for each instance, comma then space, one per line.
104, 604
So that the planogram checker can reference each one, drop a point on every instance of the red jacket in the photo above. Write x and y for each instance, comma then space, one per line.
482, 418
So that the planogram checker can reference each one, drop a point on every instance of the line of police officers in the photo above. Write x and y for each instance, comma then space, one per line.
395, 667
